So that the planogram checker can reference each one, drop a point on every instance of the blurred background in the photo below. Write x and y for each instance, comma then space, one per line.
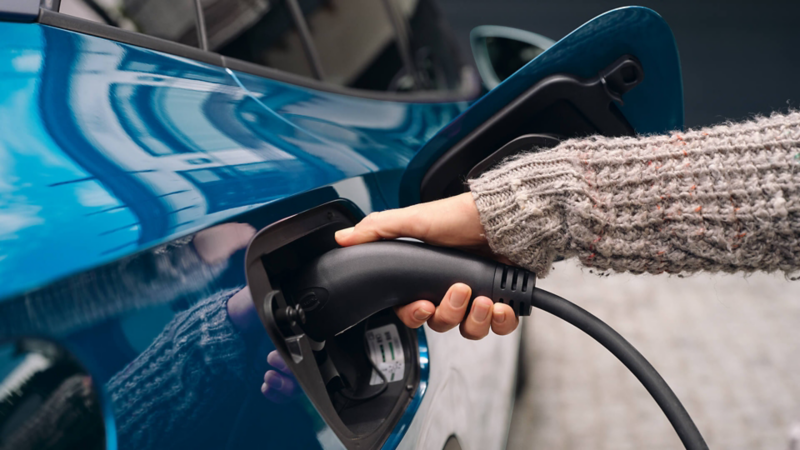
729, 345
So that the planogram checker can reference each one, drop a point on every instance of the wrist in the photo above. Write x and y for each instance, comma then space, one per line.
523, 207
242, 312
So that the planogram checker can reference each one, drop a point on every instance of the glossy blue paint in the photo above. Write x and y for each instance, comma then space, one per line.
655, 106
385, 135
114, 159
119, 148
130, 180
117, 319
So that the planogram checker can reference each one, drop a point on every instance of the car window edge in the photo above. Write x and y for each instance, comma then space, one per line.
469, 86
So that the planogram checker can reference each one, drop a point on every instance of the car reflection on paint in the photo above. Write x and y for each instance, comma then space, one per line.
132, 185
143, 143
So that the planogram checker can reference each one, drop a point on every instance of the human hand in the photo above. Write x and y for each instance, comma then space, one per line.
451, 222
216, 244
279, 385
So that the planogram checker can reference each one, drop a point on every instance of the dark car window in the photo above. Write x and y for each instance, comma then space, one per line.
378, 45
361, 44
435, 52
357, 44
356, 41
174, 20
256, 31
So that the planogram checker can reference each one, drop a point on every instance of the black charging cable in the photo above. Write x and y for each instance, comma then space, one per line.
630, 357
345, 280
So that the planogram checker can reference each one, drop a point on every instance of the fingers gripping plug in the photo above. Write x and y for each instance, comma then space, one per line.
346, 285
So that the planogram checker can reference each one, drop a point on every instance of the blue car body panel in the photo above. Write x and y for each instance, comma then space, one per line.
109, 151
114, 159
114, 146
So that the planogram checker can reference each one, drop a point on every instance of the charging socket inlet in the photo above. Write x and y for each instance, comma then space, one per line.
337, 375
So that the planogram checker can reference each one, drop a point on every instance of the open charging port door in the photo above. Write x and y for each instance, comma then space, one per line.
339, 376
558, 107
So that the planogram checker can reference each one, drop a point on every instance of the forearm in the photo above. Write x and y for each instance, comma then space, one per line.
170, 390
725, 198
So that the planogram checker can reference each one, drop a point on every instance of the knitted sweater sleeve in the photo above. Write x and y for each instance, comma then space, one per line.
725, 198
174, 387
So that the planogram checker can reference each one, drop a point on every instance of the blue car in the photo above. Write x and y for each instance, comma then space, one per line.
165, 166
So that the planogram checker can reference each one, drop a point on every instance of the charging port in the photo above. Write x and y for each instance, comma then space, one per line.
341, 376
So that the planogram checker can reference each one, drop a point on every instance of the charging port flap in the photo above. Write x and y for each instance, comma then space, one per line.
557, 107
361, 380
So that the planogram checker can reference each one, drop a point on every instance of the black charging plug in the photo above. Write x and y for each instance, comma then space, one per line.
346, 285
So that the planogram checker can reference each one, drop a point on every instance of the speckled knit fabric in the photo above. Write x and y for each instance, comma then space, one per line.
725, 198
168, 391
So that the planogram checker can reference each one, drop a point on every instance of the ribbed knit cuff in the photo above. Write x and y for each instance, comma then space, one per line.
522, 205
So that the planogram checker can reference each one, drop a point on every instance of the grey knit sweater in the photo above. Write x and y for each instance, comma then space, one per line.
176, 385
725, 198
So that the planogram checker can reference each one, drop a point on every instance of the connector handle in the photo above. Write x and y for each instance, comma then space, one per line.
344, 286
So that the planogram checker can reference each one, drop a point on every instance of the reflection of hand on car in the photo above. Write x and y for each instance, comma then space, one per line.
452, 222
242, 311
216, 244
279, 384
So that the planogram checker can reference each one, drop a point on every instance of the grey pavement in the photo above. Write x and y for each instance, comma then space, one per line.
729, 346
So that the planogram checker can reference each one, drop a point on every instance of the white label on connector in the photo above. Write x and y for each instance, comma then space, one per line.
386, 351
